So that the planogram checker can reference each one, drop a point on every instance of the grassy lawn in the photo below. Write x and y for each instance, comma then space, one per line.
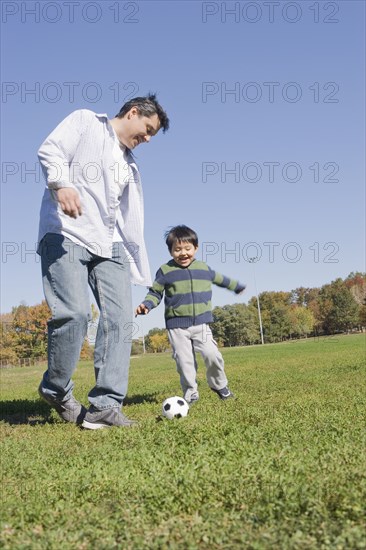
282, 466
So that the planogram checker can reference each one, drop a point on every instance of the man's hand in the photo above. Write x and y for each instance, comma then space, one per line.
69, 201
141, 310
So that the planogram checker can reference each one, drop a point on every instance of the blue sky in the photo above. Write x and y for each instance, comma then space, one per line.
265, 155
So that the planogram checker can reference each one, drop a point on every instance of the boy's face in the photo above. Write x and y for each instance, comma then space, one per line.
183, 253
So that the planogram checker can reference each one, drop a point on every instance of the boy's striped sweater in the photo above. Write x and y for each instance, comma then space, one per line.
188, 292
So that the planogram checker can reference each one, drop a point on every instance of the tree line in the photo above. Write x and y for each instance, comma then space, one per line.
339, 306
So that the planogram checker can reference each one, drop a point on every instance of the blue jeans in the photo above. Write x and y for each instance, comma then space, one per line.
67, 271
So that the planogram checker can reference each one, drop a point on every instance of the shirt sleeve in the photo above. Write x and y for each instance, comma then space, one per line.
58, 150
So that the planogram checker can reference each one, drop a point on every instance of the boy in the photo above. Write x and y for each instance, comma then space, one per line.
187, 284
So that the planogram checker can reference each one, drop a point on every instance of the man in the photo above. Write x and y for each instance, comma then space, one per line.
91, 234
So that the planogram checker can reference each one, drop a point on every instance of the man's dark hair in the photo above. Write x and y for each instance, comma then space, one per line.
146, 106
180, 233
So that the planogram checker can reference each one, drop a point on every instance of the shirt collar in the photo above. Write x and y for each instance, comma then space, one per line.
113, 133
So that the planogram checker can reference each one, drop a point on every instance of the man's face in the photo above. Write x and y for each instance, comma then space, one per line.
136, 129
183, 253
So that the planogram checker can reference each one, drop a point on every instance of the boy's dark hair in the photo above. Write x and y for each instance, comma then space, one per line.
180, 233
147, 106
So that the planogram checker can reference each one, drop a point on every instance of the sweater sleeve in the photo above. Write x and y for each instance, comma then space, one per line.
156, 291
226, 282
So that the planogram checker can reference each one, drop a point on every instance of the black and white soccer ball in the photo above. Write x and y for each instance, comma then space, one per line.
175, 407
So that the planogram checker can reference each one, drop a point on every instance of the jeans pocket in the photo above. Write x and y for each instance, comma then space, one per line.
52, 247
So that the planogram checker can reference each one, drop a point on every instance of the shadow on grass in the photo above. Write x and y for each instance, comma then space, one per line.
139, 399
26, 411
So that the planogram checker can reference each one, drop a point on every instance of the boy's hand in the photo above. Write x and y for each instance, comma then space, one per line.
141, 310
241, 291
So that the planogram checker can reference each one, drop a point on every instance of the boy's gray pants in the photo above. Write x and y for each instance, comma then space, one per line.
185, 343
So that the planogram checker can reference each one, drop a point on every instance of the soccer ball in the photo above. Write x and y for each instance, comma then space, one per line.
175, 407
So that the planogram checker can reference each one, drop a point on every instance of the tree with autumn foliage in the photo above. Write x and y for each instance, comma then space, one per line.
8, 354
275, 308
30, 327
302, 321
338, 308
356, 282
157, 340
235, 325
24, 334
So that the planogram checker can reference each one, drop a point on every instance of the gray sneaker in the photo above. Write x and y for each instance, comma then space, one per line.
96, 419
224, 393
70, 410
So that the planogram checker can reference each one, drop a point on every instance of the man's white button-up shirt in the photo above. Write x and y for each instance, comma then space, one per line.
81, 153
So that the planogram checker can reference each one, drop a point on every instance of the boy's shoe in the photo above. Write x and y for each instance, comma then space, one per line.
193, 400
96, 419
224, 393
70, 410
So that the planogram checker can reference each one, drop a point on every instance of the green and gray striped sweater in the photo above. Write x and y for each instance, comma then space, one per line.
188, 292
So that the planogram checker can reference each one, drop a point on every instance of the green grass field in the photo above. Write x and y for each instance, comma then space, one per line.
283, 466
